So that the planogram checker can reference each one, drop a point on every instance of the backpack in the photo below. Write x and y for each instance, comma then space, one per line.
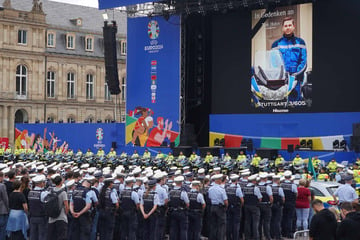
52, 206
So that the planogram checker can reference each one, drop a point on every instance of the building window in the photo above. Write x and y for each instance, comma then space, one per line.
107, 92
89, 43
71, 85
51, 39
123, 47
71, 119
22, 37
108, 120
70, 41
89, 86
50, 84
21, 80
123, 89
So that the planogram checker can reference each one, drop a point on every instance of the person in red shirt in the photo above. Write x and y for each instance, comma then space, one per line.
302, 205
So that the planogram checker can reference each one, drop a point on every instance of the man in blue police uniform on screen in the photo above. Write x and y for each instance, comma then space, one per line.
293, 51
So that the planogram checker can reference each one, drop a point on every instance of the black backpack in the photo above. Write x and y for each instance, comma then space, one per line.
52, 207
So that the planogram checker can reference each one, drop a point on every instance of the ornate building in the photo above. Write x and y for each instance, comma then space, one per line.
52, 65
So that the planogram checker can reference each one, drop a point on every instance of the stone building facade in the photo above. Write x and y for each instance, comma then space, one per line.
52, 65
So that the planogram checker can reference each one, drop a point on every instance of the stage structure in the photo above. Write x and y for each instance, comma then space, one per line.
229, 89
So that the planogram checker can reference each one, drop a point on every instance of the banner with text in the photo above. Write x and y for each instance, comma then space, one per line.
282, 58
153, 81
50, 136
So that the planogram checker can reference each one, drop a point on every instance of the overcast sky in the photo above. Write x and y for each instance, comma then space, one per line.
89, 3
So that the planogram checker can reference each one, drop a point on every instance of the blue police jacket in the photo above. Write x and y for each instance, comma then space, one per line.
293, 51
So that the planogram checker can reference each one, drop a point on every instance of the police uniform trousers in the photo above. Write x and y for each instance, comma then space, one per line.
252, 219
140, 225
106, 224
275, 225
233, 218
178, 224
128, 225
117, 224
195, 224
217, 222
38, 228
81, 227
94, 225
287, 220
265, 219
149, 227
160, 223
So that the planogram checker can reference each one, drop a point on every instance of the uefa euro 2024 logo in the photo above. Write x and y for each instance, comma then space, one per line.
153, 29
99, 134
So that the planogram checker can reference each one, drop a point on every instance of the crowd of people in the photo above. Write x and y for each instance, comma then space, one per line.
71, 200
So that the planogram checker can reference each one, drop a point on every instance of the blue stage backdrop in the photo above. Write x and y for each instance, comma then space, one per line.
70, 136
105, 4
153, 81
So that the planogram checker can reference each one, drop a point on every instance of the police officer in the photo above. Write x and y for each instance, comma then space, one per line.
196, 207
346, 193
276, 209
252, 197
236, 199
290, 191
80, 205
38, 218
163, 200
148, 206
265, 206
178, 205
219, 203
119, 186
129, 203
108, 203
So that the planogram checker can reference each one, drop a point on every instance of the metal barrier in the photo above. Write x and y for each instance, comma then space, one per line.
301, 235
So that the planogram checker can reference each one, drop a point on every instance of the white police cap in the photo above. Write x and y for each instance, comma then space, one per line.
179, 179
287, 173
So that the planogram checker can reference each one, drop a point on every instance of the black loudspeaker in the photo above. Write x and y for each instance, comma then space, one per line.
290, 148
249, 145
110, 54
356, 129
113, 145
354, 141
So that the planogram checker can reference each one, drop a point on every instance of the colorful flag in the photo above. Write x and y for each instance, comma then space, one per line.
311, 168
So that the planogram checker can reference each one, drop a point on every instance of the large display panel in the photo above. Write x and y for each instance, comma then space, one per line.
153, 81
334, 52
281, 58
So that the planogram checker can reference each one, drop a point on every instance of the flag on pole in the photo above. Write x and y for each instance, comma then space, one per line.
311, 168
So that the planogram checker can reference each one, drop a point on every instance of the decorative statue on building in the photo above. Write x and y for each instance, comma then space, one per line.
7, 4
37, 6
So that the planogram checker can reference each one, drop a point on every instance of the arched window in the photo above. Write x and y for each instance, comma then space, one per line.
21, 116
71, 119
71, 85
21, 80
89, 86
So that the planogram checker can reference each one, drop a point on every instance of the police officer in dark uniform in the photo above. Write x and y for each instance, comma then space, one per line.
265, 206
38, 218
80, 204
129, 203
197, 205
219, 203
148, 207
206, 219
290, 191
118, 186
178, 205
236, 199
276, 209
108, 203
252, 197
